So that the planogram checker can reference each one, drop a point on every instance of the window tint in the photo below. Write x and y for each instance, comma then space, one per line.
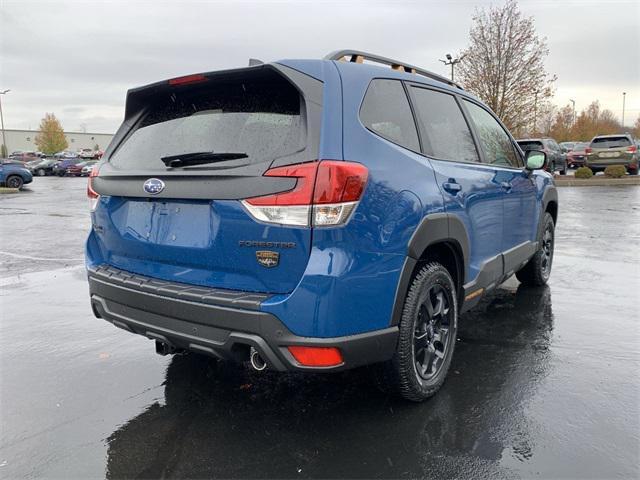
530, 145
386, 111
259, 118
496, 144
446, 132
610, 142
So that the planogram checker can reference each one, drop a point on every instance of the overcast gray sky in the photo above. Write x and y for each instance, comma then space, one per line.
78, 58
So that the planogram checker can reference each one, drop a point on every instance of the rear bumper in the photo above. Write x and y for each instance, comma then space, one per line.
221, 323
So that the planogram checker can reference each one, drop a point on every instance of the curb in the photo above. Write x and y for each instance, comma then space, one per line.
8, 190
596, 181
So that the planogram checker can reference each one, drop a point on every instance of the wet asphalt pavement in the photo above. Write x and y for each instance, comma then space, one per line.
545, 383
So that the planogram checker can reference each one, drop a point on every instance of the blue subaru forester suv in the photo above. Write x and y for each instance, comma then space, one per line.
314, 215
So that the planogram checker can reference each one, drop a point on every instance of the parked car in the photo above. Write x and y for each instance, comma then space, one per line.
61, 166
24, 157
42, 167
13, 175
65, 155
577, 156
75, 170
557, 161
86, 153
254, 248
87, 168
566, 147
605, 150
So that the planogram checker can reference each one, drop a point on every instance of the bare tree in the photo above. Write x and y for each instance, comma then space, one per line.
504, 65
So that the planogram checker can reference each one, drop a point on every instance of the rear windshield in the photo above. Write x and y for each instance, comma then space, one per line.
258, 118
578, 147
610, 142
532, 145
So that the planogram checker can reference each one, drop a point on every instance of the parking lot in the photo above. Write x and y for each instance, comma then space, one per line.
544, 382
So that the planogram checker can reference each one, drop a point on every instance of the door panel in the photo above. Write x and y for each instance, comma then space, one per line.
478, 204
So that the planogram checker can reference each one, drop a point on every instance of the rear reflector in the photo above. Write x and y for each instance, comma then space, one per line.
188, 79
325, 194
92, 195
317, 356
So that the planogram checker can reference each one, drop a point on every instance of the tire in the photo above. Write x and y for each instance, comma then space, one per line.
427, 337
538, 269
14, 181
633, 172
564, 170
40, 172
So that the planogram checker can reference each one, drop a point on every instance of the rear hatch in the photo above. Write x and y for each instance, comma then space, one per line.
189, 150
611, 150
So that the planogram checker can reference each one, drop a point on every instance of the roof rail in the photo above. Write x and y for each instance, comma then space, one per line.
356, 56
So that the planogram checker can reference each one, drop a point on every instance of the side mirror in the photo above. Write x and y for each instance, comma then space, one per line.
535, 159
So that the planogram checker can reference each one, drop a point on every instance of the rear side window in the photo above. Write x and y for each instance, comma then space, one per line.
386, 112
496, 143
446, 133
260, 118
610, 142
530, 145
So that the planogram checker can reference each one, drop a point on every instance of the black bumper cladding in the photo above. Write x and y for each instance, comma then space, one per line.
218, 322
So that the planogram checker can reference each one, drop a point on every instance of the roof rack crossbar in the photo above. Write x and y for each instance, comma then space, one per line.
355, 56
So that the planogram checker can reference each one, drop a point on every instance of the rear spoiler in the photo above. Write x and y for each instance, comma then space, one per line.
138, 98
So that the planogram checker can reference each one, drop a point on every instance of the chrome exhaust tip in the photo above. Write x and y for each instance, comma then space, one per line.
257, 362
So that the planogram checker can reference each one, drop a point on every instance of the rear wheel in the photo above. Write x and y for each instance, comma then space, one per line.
14, 181
40, 172
538, 269
427, 337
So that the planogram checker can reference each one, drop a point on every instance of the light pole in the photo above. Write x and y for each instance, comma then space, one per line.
4, 142
535, 111
573, 115
624, 97
452, 61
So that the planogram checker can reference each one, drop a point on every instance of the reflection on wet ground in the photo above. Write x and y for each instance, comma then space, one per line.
544, 382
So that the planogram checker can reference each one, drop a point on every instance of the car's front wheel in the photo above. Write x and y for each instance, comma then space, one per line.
427, 336
40, 172
14, 181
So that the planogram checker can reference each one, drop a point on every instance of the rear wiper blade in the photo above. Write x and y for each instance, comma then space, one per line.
200, 158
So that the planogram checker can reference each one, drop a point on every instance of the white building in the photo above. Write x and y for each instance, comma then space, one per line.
25, 140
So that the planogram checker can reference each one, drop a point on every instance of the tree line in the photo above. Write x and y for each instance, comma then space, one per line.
504, 66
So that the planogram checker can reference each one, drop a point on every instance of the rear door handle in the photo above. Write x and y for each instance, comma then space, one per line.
506, 185
452, 187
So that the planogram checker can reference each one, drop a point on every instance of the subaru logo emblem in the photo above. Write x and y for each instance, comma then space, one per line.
153, 186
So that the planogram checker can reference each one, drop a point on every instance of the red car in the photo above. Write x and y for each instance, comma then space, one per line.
75, 170
577, 155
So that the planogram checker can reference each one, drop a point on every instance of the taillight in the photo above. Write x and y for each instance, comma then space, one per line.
632, 149
588, 150
325, 194
92, 195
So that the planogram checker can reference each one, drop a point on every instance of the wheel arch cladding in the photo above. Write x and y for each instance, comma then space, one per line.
441, 237
550, 201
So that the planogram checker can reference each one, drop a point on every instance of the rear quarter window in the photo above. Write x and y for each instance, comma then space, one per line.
386, 112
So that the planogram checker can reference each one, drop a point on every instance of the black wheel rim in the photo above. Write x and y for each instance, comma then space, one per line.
432, 331
547, 251
14, 182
